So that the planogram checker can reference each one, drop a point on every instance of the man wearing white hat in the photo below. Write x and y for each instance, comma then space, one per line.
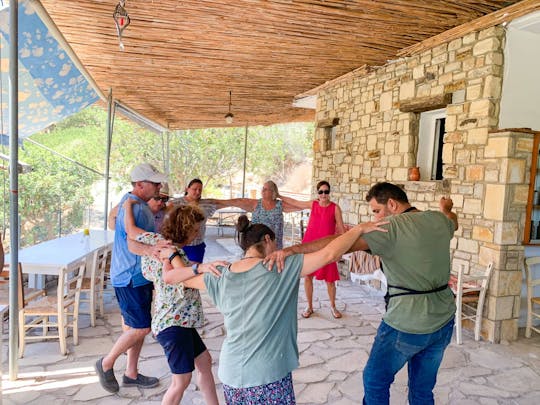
133, 291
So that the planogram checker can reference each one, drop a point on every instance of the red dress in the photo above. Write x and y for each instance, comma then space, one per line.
322, 222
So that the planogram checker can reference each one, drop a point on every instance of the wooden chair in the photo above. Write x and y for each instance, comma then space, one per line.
28, 294
470, 291
93, 286
532, 300
37, 313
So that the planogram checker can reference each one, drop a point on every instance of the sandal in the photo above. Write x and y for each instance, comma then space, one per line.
307, 312
335, 313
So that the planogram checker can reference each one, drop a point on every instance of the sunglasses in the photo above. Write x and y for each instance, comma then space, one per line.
162, 199
324, 191
151, 182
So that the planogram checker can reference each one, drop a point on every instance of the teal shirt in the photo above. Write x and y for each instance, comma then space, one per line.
259, 307
415, 254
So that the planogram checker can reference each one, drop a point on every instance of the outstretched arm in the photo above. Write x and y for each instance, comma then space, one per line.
247, 204
338, 246
278, 257
291, 204
446, 205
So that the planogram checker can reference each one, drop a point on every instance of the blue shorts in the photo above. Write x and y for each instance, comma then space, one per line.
195, 253
135, 305
181, 346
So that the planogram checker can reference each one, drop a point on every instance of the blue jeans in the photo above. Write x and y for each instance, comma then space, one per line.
391, 350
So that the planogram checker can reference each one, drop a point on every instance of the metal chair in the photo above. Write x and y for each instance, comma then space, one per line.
93, 286
470, 293
37, 313
532, 300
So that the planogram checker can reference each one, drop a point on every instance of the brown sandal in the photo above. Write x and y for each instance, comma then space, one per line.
307, 312
335, 313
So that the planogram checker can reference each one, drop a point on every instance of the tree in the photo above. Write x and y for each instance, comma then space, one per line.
57, 188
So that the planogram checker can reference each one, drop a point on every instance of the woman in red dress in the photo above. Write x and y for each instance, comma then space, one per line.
325, 219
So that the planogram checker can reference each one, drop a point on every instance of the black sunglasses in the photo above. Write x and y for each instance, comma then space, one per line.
162, 199
324, 191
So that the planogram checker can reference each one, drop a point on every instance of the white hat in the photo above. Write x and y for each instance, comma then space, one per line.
147, 172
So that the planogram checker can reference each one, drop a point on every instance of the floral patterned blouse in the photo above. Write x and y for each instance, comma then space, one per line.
174, 304
271, 218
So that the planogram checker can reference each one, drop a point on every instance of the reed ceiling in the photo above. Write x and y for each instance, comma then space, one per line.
182, 57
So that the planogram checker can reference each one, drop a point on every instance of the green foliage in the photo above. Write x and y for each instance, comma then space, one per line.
57, 187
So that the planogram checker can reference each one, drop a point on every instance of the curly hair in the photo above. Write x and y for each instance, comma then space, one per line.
252, 234
180, 221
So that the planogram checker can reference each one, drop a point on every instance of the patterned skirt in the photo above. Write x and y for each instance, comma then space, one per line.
279, 392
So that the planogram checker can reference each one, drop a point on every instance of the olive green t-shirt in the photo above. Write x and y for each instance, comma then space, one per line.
415, 254
259, 309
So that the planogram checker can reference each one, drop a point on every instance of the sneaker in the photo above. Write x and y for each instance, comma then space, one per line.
141, 381
106, 378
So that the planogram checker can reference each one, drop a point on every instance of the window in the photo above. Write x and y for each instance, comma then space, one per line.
330, 137
430, 144
329, 127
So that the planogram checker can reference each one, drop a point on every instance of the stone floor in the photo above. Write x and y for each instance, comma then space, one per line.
333, 354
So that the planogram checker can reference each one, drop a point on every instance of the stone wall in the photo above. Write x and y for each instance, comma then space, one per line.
485, 172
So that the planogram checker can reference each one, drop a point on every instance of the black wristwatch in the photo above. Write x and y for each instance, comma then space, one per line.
171, 257
195, 268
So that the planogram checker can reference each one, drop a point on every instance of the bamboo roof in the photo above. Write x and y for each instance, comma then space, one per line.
181, 58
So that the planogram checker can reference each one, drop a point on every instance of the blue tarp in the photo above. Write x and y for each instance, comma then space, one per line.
51, 87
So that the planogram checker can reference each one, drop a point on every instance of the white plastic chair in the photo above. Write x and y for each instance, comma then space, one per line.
532, 300
470, 297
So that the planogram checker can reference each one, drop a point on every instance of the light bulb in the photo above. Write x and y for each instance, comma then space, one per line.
229, 118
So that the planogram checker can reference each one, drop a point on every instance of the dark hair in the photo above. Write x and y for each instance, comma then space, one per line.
383, 191
192, 182
323, 183
179, 222
252, 234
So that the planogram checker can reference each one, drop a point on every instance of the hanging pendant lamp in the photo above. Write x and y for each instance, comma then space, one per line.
229, 117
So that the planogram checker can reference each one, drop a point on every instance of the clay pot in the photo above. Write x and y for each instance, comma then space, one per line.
414, 173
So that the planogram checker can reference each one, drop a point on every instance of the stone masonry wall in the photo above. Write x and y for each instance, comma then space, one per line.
485, 173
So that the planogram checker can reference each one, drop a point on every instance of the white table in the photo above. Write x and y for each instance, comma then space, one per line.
228, 215
48, 258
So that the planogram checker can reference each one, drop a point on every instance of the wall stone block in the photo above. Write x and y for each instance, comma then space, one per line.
406, 90
508, 330
477, 136
480, 108
497, 147
513, 171
506, 233
482, 234
492, 87
495, 194
486, 45
468, 245
472, 206
474, 173
500, 308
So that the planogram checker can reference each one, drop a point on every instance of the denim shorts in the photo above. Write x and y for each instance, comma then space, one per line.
181, 346
135, 305
195, 253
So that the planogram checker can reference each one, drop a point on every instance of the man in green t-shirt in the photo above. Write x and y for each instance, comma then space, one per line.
418, 325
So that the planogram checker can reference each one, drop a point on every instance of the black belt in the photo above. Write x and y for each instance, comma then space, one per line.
410, 291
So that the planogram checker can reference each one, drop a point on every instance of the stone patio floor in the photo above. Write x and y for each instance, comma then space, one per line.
333, 353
